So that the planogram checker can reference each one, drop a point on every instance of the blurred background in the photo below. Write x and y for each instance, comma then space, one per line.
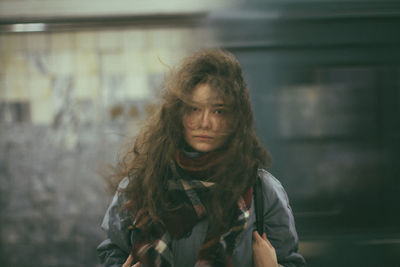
78, 77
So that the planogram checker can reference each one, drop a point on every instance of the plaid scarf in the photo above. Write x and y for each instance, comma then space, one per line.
151, 240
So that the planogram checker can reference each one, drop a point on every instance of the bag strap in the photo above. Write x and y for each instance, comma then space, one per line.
259, 206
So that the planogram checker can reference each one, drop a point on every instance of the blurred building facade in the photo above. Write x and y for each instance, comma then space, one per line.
70, 102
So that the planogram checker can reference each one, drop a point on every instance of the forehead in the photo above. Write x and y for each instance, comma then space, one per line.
204, 94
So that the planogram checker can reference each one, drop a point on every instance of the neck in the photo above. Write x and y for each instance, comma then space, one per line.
197, 165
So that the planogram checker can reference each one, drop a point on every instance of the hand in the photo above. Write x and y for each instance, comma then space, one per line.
128, 262
264, 254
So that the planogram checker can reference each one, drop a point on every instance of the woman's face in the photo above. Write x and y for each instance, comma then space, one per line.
205, 123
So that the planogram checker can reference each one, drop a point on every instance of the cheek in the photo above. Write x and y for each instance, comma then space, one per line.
223, 126
188, 123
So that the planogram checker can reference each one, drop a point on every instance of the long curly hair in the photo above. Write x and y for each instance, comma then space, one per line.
148, 162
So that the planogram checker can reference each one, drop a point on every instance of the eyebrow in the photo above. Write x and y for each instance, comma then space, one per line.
218, 105
214, 105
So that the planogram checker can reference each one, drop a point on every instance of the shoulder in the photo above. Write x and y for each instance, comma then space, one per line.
268, 179
117, 220
121, 194
279, 222
123, 184
273, 190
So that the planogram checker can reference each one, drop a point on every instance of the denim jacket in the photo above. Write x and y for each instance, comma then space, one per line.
278, 225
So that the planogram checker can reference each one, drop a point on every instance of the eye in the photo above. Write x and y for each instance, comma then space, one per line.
194, 109
219, 111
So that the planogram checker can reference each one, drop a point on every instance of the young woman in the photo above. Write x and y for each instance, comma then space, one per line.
185, 195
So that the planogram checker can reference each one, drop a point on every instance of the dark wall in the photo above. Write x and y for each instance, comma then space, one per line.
325, 86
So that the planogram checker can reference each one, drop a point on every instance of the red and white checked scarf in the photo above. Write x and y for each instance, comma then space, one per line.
152, 240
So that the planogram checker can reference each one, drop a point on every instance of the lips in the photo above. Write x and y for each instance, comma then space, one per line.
203, 137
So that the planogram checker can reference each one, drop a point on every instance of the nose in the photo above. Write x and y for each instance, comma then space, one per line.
205, 122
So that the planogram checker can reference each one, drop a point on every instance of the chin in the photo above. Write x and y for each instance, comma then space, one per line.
203, 148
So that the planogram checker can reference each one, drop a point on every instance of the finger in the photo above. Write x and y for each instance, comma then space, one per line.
264, 236
256, 237
128, 261
137, 264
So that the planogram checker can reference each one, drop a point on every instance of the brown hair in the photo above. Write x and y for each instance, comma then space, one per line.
148, 162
